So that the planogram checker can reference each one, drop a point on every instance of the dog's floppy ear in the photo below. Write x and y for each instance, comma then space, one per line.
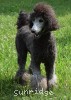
52, 23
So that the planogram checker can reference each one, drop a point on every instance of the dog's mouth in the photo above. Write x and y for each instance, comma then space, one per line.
36, 35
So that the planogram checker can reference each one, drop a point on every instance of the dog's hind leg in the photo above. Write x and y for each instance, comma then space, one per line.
22, 55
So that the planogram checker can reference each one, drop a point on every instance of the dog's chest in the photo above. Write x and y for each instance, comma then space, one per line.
40, 50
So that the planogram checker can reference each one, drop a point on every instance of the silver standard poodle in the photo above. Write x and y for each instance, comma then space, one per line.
34, 35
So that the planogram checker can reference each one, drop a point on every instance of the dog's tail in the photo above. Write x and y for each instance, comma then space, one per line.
22, 19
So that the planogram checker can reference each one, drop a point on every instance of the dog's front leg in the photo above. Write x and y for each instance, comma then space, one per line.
50, 74
35, 68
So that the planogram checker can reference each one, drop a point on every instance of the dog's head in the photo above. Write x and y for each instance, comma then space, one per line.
43, 19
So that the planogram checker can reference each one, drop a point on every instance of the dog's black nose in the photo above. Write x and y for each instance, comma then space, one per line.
32, 31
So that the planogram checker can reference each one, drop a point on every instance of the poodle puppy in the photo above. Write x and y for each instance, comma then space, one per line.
36, 37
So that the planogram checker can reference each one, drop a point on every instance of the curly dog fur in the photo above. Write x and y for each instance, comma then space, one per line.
42, 49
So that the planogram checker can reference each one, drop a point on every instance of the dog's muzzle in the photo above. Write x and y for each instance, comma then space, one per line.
36, 35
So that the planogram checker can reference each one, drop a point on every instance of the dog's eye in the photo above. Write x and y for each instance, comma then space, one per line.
41, 20
31, 24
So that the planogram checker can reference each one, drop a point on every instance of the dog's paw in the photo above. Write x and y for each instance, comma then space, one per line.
53, 82
26, 77
35, 82
43, 84
18, 77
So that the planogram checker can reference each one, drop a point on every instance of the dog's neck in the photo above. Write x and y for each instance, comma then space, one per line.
43, 37
45, 34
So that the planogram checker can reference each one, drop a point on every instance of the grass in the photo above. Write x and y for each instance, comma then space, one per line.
9, 10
